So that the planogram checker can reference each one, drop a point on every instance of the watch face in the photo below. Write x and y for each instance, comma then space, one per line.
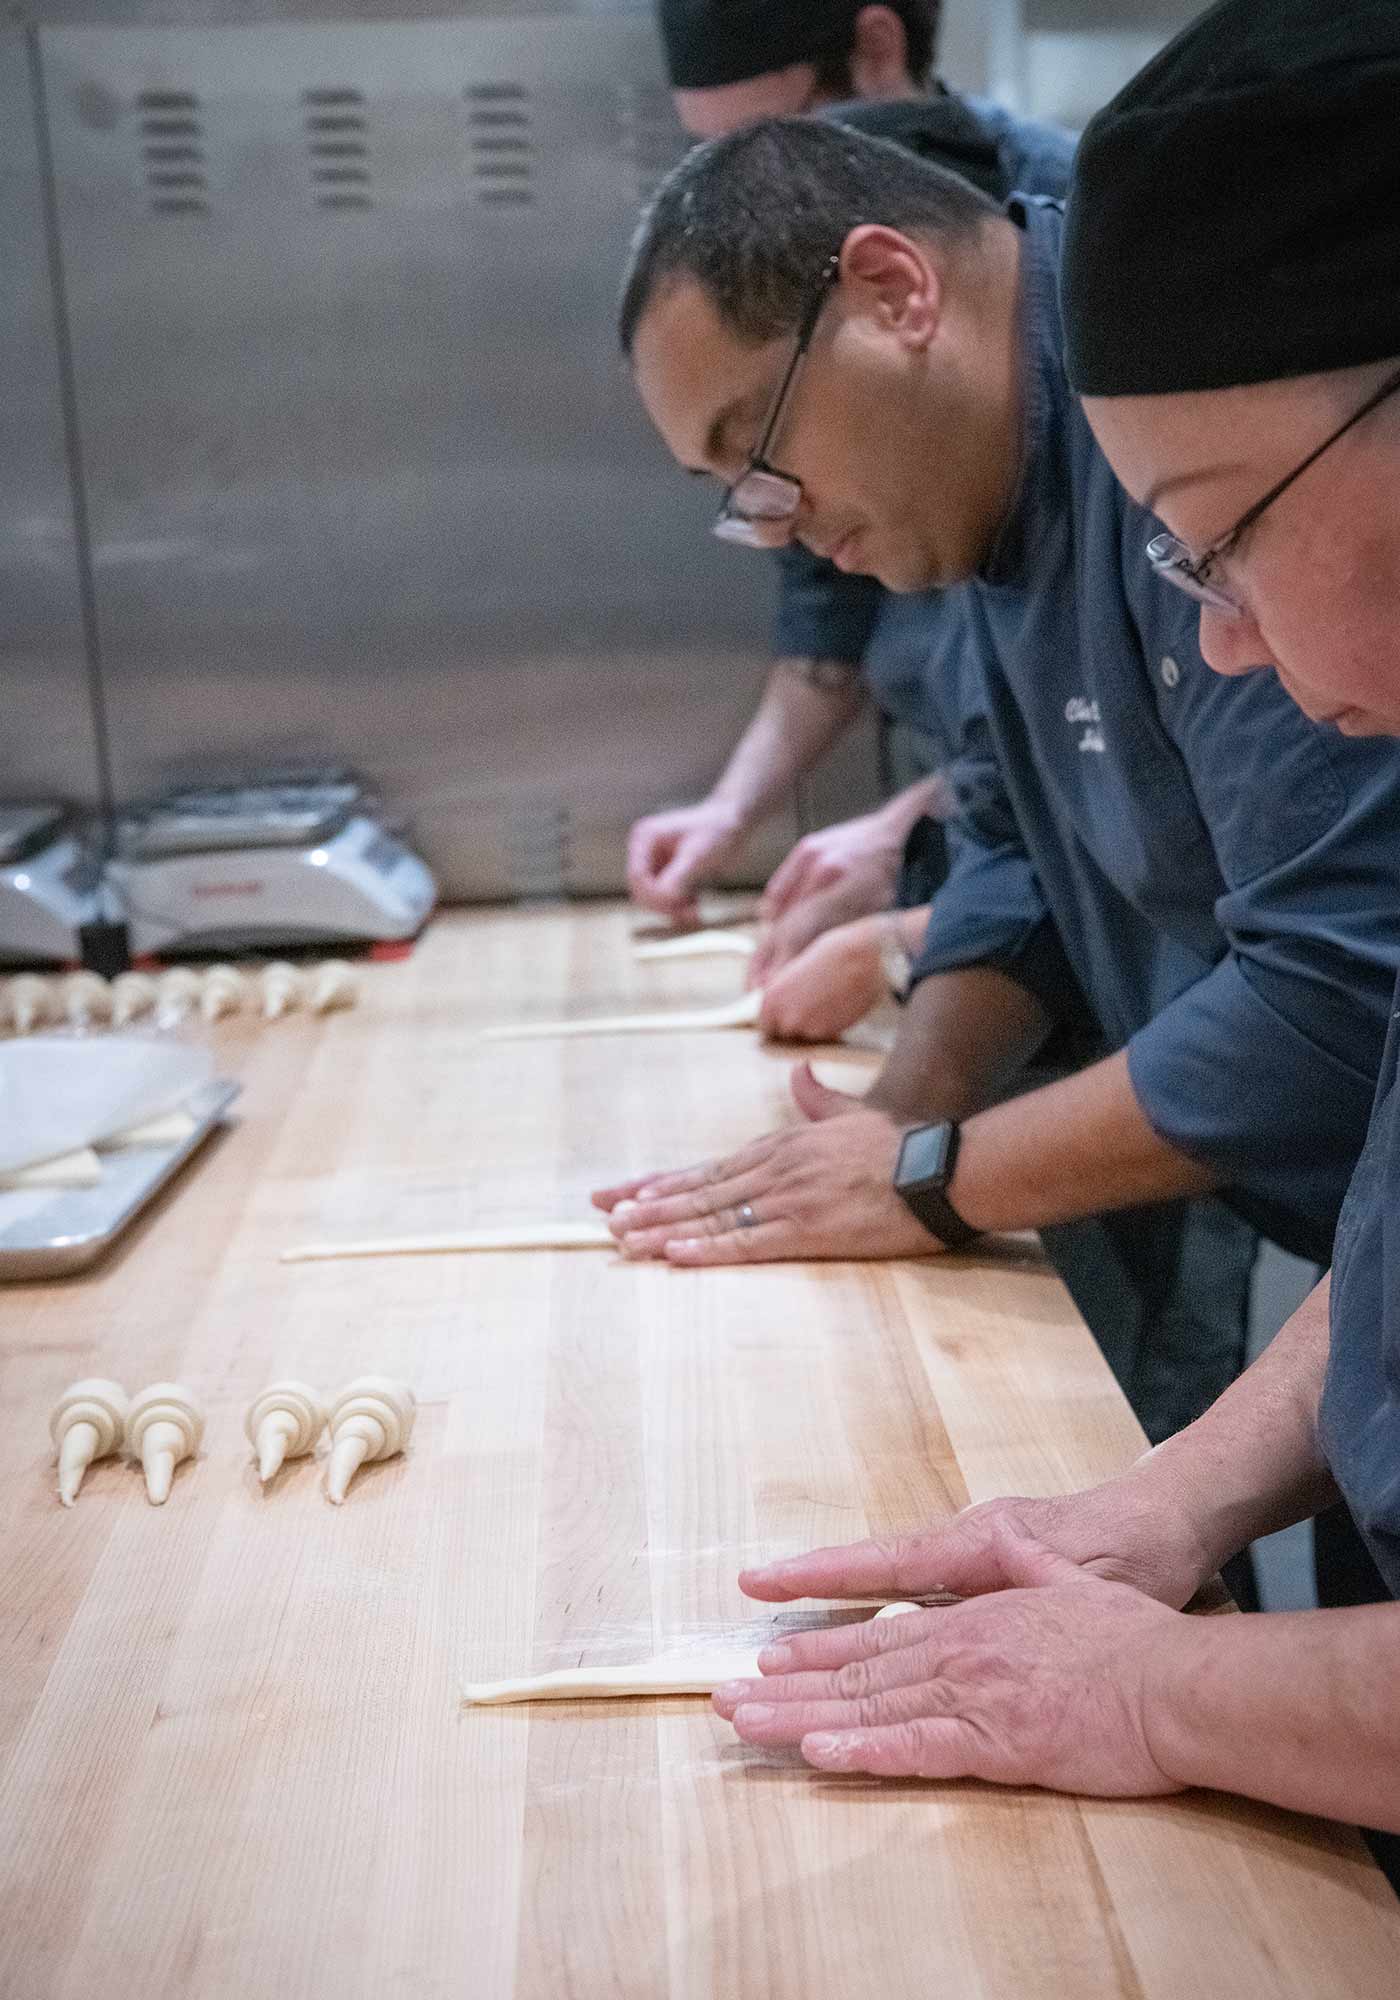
925, 1158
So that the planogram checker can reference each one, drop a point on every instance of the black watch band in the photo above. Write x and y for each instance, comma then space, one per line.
927, 1157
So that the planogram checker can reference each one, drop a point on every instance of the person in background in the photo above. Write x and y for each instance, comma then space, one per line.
1233, 326
838, 639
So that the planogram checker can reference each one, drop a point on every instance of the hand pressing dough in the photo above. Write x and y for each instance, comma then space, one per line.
88, 1423
283, 1422
523, 1236
697, 944
80, 1168
740, 1013
371, 1418
164, 1425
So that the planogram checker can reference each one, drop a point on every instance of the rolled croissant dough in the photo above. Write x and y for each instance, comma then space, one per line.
740, 1013
505, 1236
674, 1673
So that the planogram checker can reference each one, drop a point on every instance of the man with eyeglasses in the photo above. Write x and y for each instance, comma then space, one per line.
1240, 963
1255, 403
1165, 1289
837, 640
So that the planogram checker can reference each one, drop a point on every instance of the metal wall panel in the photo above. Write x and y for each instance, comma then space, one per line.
367, 479
46, 746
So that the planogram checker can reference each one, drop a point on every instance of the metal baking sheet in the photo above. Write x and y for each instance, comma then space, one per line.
52, 1232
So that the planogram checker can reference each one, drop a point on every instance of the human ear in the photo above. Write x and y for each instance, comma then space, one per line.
890, 278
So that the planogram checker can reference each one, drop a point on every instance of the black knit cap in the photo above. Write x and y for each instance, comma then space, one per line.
1235, 211
710, 42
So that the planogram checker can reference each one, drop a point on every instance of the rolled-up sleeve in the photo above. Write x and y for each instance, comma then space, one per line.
991, 910
1266, 1068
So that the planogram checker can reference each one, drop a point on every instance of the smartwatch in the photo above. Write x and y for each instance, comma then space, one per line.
927, 1157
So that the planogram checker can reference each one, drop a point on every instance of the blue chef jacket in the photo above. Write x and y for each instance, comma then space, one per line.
1217, 875
1360, 1428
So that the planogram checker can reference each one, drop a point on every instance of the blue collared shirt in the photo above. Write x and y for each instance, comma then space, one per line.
1360, 1418
1218, 876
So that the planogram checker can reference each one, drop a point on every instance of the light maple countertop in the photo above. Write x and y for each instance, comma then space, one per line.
232, 1756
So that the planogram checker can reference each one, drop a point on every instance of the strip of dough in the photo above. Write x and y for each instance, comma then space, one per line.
675, 1673
740, 1013
520, 1236
81, 1168
170, 1129
668, 1673
697, 944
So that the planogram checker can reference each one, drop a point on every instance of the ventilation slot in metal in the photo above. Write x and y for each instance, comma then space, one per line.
652, 137
172, 152
337, 140
500, 133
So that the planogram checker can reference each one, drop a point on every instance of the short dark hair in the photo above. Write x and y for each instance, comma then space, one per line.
753, 217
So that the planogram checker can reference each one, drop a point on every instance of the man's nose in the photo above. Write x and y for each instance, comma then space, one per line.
1232, 643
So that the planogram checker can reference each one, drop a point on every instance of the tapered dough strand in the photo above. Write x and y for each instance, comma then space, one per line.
30, 1001
80, 1168
86, 998
88, 1423
521, 1236
224, 991
133, 994
281, 989
283, 1422
165, 1424
371, 1418
177, 994
696, 944
678, 1673
333, 985
740, 1013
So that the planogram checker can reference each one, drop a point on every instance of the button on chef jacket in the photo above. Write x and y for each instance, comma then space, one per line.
1219, 876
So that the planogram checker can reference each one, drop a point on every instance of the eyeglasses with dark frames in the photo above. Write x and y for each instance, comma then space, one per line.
1173, 560
762, 496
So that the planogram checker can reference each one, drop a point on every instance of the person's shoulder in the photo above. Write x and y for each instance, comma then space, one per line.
1037, 155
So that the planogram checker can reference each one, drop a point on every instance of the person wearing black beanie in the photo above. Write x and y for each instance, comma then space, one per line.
1231, 301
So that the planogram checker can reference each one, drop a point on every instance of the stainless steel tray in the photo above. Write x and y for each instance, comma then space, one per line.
49, 1233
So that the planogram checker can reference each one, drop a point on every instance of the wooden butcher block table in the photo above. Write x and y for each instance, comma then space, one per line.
233, 1759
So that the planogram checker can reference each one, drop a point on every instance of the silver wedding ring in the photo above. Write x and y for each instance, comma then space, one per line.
747, 1218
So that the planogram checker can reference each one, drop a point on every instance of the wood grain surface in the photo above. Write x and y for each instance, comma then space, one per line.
233, 1761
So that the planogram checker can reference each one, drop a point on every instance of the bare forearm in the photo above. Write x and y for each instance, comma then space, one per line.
960, 1036
795, 724
1073, 1148
924, 798
1251, 1463
1300, 1709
